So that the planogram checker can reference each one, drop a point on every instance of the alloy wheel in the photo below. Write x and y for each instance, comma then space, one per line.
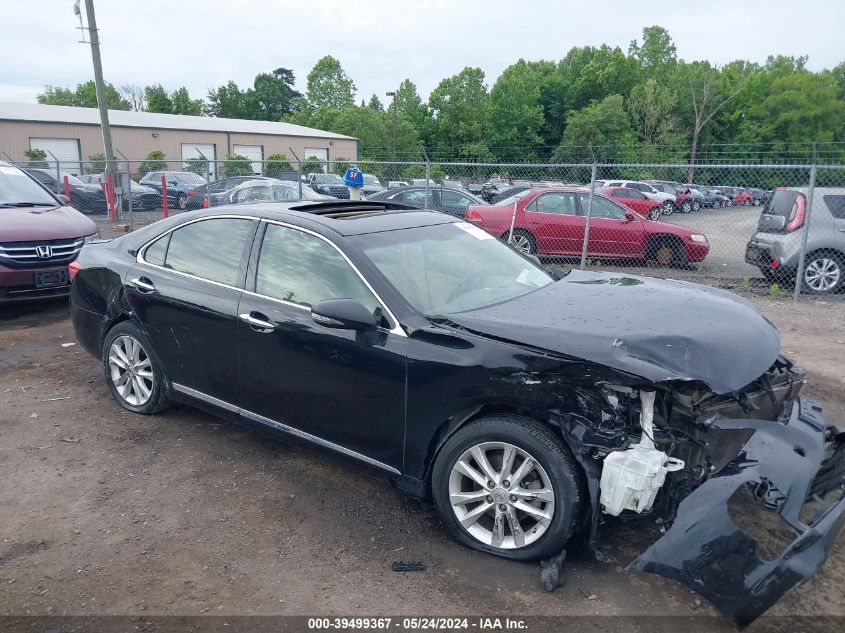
822, 274
521, 243
668, 207
501, 495
654, 213
130, 370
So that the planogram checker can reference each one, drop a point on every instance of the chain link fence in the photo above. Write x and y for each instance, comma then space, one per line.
775, 229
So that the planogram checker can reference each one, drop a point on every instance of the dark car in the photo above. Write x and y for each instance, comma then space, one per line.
179, 184
329, 185
447, 199
83, 196
39, 237
507, 193
435, 355
141, 197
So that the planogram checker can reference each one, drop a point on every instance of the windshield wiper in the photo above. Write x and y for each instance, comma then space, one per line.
26, 204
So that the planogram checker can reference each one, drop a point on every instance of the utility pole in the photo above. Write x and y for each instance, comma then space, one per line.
102, 104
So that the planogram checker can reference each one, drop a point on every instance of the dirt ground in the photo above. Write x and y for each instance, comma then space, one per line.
106, 512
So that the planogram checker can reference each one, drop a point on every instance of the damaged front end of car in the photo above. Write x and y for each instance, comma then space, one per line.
745, 487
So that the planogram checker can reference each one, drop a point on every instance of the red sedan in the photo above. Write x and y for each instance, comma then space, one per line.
743, 198
551, 221
635, 201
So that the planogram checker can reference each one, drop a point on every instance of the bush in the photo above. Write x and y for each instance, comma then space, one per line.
97, 164
277, 163
237, 165
312, 165
37, 158
155, 161
197, 165
341, 165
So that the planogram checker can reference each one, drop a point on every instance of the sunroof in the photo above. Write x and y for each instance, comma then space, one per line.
349, 208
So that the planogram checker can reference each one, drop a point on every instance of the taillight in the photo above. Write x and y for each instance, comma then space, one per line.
473, 216
192, 192
796, 220
73, 268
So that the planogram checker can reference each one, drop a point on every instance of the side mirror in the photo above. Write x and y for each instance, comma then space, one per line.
344, 314
630, 216
63, 199
535, 259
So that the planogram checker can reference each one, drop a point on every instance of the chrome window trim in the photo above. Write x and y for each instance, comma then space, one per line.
260, 419
395, 329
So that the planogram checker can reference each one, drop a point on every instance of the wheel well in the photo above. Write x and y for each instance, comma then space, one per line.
830, 252
447, 429
661, 239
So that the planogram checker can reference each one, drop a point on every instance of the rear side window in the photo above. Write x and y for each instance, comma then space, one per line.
782, 203
559, 203
836, 204
210, 249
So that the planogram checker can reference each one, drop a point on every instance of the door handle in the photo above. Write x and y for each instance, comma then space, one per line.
259, 322
143, 284
842, 230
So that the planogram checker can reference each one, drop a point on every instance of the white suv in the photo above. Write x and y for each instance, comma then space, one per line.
666, 199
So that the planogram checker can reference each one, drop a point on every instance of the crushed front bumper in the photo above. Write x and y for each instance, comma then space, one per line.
786, 464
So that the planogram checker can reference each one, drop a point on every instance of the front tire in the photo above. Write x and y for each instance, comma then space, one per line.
668, 207
686, 206
133, 374
654, 213
508, 486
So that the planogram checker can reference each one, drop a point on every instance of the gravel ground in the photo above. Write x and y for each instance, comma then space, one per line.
106, 512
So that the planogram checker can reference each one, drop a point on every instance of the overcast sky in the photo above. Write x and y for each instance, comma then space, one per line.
381, 42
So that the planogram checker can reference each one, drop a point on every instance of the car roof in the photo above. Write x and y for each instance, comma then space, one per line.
344, 217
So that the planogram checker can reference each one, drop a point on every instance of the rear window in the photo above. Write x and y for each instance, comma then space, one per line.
781, 203
836, 204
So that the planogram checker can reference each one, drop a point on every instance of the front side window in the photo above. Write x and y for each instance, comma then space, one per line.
415, 198
454, 199
302, 268
209, 249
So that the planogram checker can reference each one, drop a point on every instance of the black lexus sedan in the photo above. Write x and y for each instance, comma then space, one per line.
527, 404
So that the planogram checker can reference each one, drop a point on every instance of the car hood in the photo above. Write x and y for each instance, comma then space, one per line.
657, 329
43, 223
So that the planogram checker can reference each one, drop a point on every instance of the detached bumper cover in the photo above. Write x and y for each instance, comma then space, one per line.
788, 463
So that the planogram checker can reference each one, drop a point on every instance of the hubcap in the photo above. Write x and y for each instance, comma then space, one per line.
131, 370
501, 495
521, 243
822, 274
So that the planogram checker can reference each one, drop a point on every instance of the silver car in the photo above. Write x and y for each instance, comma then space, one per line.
775, 247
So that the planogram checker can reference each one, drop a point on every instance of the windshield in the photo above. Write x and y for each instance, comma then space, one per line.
371, 180
16, 187
190, 178
328, 179
450, 268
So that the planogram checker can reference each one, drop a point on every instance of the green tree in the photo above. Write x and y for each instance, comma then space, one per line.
411, 107
650, 106
312, 165
516, 115
236, 165
84, 95
227, 101
276, 164
197, 165
329, 86
601, 129
37, 158
273, 94
374, 104
158, 100
183, 104
657, 52
155, 161
96, 163
460, 113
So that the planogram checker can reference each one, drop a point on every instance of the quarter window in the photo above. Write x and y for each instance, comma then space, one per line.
209, 249
836, 204
301, 268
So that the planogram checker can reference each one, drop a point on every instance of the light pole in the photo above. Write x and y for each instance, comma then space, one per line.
392, 93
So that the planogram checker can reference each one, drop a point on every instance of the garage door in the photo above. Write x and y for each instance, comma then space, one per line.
318, 152
66, 150
198, 150
255, 153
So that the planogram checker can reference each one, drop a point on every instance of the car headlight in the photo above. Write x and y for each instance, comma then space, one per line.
92, 237
695, 237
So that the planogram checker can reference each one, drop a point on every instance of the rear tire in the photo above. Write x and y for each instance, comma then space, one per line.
181, 201
132, 370
546, 481
668, 207
686, 206
824, 273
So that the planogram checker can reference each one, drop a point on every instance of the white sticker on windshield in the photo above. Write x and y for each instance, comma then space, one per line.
11, 171
477, 233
